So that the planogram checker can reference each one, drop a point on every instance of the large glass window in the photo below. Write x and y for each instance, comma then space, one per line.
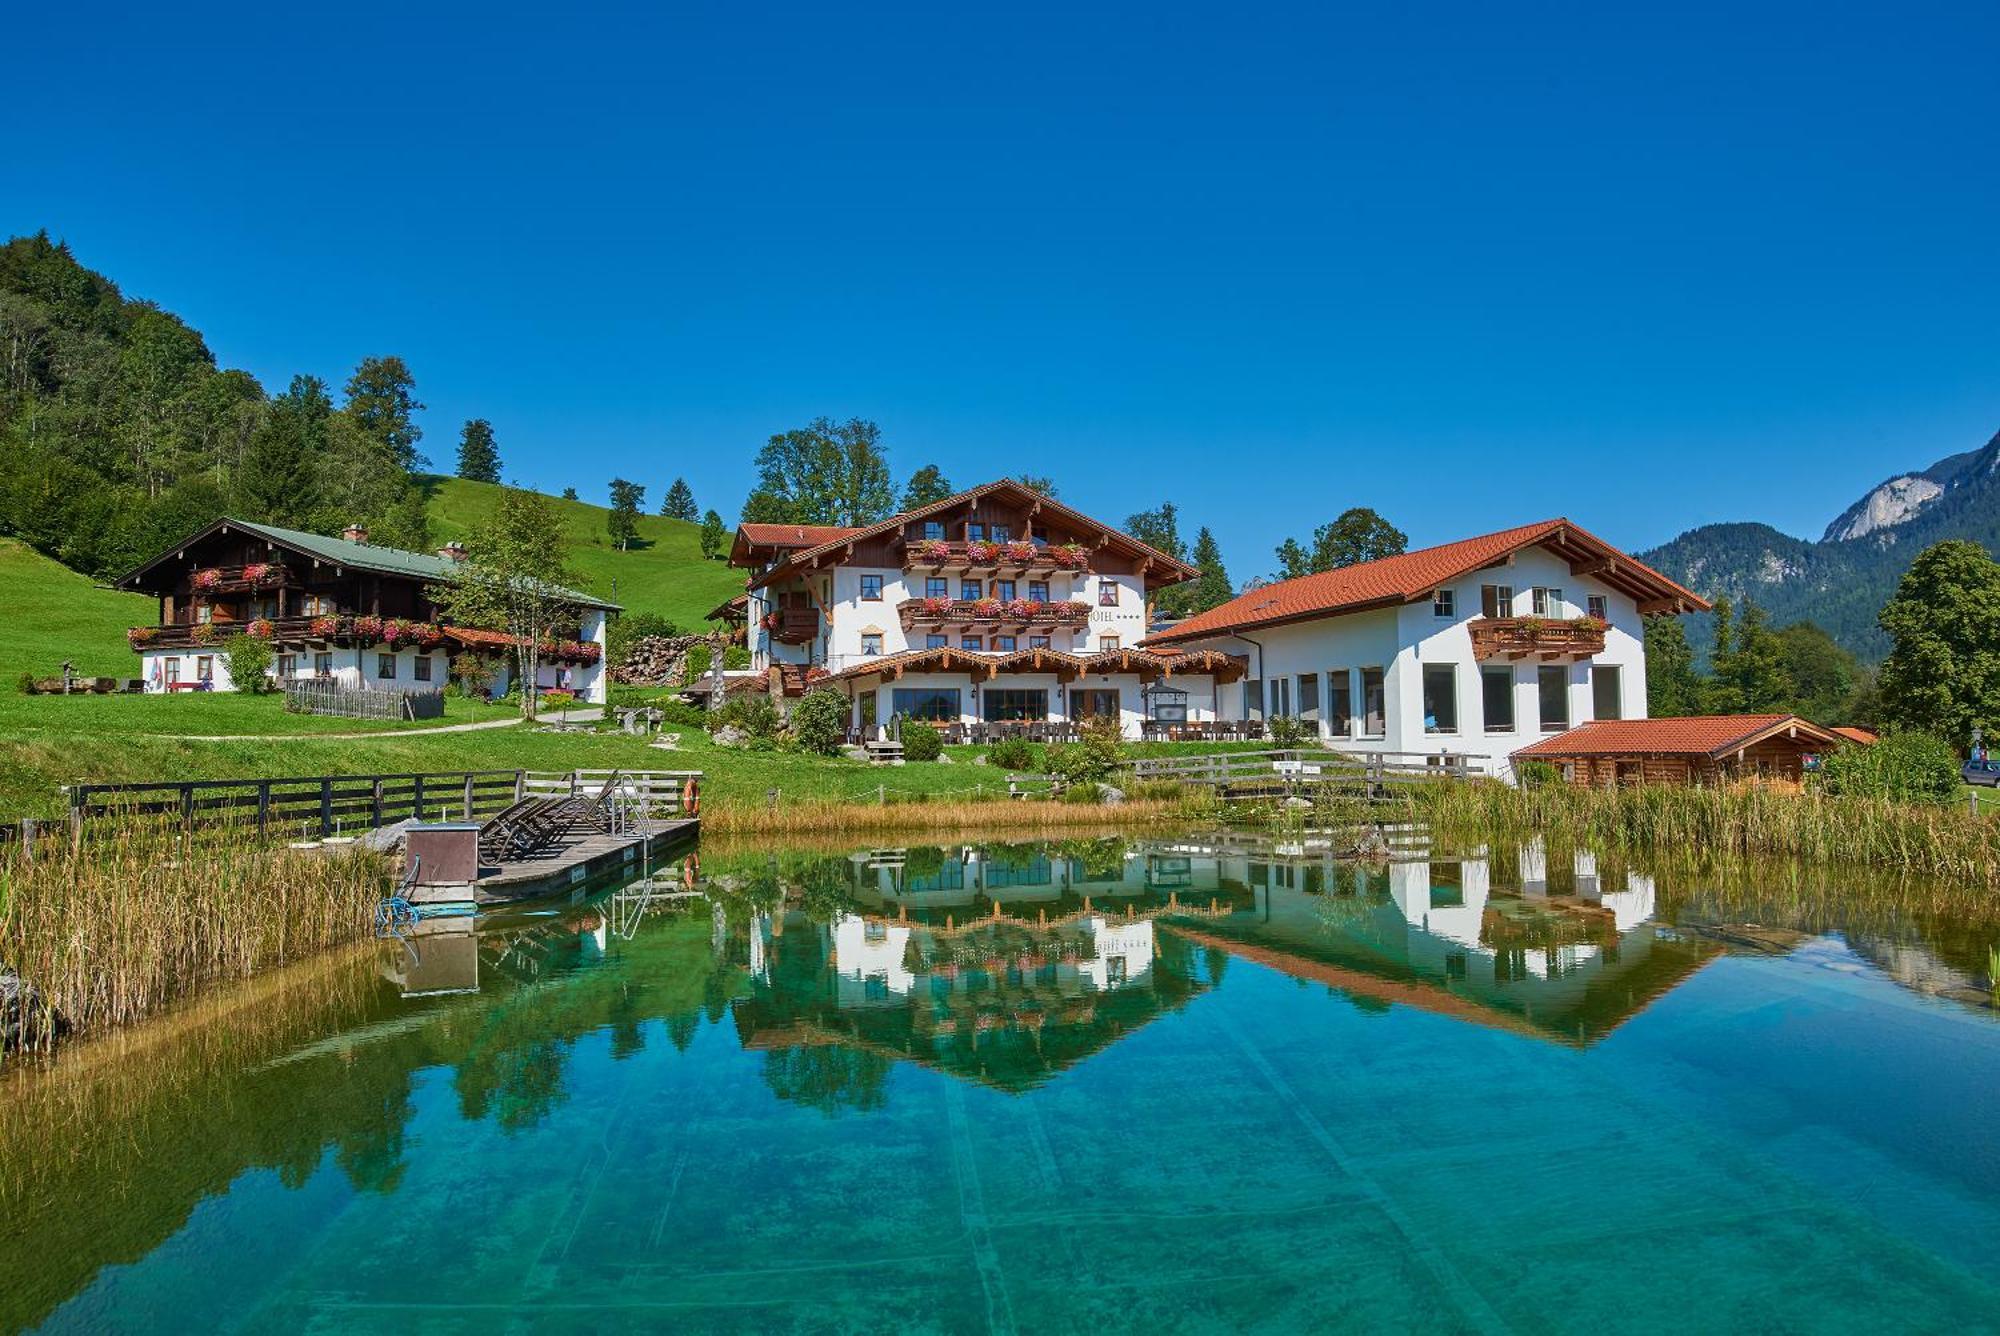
1002, 533
1107, 644
1038, 591
421, 667
1606, 699
1547, 602
385, 666
937, 586
322, 664
1038, 642
937, 641
871, 587
1496, 694
970, 590
1107, 592
1093, 703
1003, 590
1253, 698
1444, 603
871, 642
204, 668
1496, 600
1597, 607
972, 642
1440, 698
1552, 684
1374, 707
1339, 704
975, 533
1006, 704
1309, 696
1280, 689
930, 703
1004, 642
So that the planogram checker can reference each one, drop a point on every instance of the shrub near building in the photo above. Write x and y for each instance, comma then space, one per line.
1906, 767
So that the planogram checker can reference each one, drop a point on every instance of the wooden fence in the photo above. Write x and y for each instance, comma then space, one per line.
1283, 772
317, 806
326, 695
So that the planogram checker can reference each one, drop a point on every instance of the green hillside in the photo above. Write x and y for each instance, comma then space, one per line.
665, 573
49, 613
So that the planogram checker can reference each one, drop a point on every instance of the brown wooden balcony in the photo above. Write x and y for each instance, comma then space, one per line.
257, 575
793, 626
208, 635
1535, 637
1015, 557
1026, 614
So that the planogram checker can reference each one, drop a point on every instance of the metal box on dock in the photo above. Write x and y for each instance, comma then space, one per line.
446, 853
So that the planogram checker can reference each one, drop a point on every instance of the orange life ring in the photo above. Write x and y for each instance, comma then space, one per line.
691, 798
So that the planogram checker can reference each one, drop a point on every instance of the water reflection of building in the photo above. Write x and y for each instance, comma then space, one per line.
1565, 952
1000, 969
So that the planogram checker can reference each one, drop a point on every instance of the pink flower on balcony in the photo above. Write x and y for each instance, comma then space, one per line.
936, 607
202, 633
982, 551
262, 573
140, 636
368, 630
932, 549
1020, 609
1020, 551
324, 628
208, 579
262, 628
986, 607
1070, 556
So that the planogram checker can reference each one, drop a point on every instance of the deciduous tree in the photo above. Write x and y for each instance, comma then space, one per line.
1943, 674
926, 485
627, 499
713, 536
823, 473
382, 401
511, 581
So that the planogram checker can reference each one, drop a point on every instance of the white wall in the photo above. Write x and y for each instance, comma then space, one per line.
1402, 640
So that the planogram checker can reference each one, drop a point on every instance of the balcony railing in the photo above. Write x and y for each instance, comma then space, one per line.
1530, 637
793, 626
938, 554
1018, 612
238, 579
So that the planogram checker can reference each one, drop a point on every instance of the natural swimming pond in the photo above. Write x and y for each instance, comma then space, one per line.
1197, 1082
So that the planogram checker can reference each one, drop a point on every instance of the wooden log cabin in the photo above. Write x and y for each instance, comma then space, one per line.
1705, 749
339, 608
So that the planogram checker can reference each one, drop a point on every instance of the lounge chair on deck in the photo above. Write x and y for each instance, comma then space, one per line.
520, 831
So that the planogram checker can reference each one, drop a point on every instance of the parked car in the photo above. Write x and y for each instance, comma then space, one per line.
1981, 772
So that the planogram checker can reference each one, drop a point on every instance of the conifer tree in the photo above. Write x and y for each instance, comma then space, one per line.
478, 455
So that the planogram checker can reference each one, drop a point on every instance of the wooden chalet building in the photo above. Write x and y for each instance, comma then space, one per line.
1703, 749
336, 608
994, 606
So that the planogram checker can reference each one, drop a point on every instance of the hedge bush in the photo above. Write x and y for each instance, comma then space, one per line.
1906, 767
921, 742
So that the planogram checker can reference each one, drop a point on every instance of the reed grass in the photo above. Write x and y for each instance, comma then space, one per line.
946, 812
111, 930
1943, 841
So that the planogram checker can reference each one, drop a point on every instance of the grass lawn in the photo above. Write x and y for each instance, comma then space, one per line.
49, 613
665, 573
202, 713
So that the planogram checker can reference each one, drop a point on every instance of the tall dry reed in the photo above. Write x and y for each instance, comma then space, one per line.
835, 817
1936, 841
110, 930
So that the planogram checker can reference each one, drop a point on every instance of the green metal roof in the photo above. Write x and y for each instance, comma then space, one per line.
368, 557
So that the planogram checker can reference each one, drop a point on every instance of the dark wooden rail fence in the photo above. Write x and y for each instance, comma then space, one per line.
320, 804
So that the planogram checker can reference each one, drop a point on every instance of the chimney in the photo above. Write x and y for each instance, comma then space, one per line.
355, 533
453, 551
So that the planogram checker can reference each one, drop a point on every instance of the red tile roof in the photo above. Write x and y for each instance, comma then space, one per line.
1413, 575
795, 535
468, 635
1698, 735
1174, 570
1860, 735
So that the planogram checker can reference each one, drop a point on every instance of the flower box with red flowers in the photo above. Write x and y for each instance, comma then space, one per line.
982, 551
368, 630
1020, 551
202, 633
325, 628
262, 628
208, 579
931, 549
141, 636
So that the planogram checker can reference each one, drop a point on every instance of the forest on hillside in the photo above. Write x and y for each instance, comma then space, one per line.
119, 433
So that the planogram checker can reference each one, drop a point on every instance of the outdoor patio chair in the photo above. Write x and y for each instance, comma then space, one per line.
519, 831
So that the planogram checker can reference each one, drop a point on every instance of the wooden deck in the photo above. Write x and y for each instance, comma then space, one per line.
588, 859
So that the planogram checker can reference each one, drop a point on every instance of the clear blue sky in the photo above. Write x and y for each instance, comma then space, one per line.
1469, 264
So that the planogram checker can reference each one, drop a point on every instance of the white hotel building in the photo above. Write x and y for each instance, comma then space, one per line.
998, 605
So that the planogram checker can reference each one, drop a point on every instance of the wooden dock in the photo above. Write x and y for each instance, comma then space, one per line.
589, 861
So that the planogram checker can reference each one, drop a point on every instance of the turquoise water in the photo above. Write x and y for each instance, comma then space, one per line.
1201, 1084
